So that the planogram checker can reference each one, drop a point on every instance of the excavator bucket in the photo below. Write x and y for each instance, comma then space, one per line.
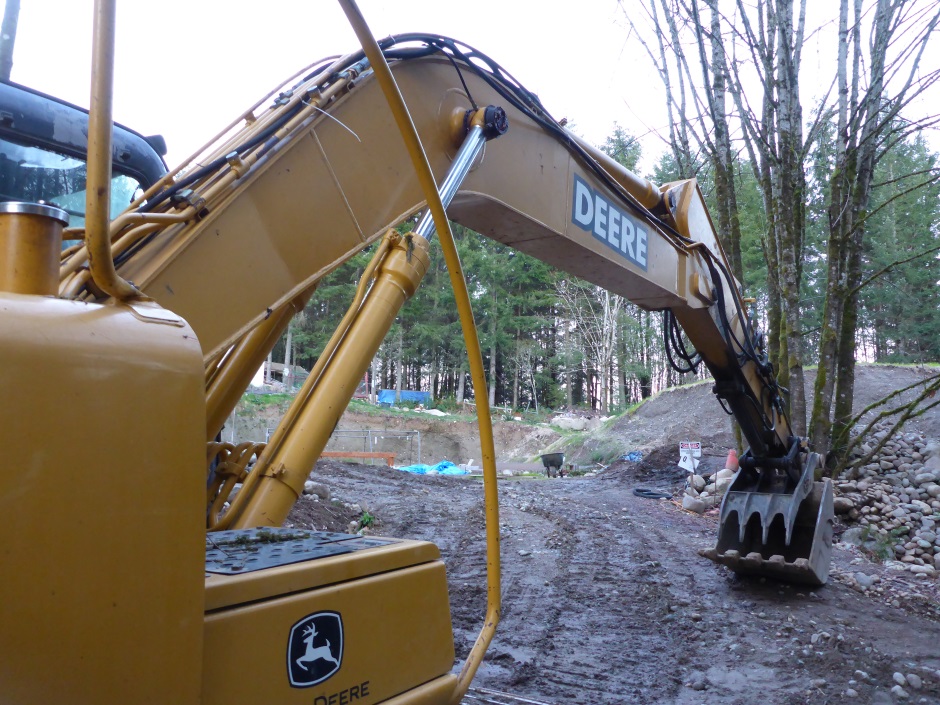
766, 530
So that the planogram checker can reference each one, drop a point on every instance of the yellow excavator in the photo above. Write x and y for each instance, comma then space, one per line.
132, 573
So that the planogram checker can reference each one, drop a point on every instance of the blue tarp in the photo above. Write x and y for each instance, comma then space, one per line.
445, 467
387, 396
634, 456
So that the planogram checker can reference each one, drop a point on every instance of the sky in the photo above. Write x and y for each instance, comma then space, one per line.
187, 69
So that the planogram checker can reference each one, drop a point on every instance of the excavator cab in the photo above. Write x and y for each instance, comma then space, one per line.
43, 152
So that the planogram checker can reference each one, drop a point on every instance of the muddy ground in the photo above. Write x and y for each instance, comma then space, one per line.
606, 600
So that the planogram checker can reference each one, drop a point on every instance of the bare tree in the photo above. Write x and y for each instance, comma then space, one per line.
876, 79
11, 16
524, 371
770, 33
595, 312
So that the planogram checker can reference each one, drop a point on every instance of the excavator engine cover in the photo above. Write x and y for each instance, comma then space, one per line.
787, 536
319, 618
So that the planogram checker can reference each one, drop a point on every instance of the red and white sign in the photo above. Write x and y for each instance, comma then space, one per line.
689, 452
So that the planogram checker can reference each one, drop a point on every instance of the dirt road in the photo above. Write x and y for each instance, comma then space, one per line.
605, 599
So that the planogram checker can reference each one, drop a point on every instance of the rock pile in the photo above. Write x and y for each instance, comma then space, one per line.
705, 492
895, 500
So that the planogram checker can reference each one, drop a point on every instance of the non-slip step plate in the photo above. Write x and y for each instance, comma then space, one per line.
247, 550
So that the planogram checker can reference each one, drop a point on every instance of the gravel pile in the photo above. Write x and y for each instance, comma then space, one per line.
705, 492
894, 502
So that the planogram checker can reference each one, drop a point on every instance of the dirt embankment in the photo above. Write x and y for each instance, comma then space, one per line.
413, 437
684, 413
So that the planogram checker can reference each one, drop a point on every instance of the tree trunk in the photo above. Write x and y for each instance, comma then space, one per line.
535, 393
790, 180
622, 369
399, 368
492, 396
11, 16
461, 377
288, 346
845, 379
729, 226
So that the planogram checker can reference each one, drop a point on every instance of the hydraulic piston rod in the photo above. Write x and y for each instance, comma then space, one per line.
484, 125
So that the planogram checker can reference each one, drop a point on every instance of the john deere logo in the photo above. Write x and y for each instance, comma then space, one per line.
314, 649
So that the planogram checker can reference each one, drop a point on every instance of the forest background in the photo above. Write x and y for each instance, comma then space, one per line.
829, 213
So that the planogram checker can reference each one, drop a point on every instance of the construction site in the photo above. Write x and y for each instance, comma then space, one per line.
556, 422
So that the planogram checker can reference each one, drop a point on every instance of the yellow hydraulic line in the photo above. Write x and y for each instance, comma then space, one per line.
449, 249
74, 284
66, 282
231, 379
211, 365
158, 220
98, 183
257, 121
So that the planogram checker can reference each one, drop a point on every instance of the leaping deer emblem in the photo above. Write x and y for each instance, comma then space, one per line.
314, 653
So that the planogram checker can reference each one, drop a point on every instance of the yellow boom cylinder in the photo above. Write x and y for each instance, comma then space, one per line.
235, 372
285, 469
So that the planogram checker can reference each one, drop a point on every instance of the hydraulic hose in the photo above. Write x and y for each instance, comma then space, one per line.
448, 247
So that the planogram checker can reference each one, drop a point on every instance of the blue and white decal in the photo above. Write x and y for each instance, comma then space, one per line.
594, 213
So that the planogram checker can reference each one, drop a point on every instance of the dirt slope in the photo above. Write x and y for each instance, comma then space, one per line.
692, 413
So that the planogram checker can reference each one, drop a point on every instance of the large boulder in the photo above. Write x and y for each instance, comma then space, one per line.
693, 504
570, 423
842, 505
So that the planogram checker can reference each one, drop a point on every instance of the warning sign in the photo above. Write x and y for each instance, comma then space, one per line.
689, 453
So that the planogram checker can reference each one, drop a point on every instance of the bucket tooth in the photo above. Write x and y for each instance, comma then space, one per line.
752, 560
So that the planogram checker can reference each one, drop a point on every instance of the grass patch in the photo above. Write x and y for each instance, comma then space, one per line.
881, 546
